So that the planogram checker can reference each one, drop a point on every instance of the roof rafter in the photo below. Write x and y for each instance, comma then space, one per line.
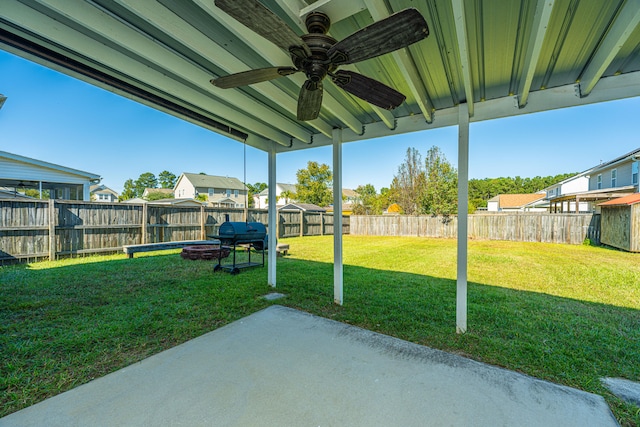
626, 23
276, 57
115, 31
93, 51
463, 51
159, 16
379, 10
538, 32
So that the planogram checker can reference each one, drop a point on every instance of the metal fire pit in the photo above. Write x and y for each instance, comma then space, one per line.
249, 235
205, 252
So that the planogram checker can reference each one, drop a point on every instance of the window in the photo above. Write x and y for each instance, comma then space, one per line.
614, 177
599, 181
634, 173
228, 193
210, 192
235, 193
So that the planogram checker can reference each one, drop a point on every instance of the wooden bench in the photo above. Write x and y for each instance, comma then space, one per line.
282, 249
148, 247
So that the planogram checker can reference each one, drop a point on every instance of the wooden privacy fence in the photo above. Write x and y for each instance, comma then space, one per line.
52, 228
521, 227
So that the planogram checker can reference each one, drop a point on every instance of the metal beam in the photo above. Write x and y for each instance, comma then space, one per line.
337, 217
131, 41
538, 32
160, 17
463, 51
277, 57
622, 28
336, 9
463, 216
402, 57
91, 53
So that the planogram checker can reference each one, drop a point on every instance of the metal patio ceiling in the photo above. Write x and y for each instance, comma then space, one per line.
501, 58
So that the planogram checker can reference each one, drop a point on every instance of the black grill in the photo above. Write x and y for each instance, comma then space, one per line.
231, 233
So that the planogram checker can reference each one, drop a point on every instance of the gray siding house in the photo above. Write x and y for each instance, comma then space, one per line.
220, 191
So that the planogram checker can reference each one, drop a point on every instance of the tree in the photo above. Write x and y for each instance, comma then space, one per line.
369, 201
129, 191
408, 184
314, 184
167, 179
440, 194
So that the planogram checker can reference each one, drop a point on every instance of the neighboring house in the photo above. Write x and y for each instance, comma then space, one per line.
166, 192
261, 201
306, 207
518, 203
609, 180
618, 173
561, 196
220, 191
20, 173
102, 193
349, 199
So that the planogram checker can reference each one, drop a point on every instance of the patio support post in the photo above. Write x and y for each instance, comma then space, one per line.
273, 219
463, 216
337, 216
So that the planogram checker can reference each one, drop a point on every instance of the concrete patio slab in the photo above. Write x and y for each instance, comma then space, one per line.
282, 367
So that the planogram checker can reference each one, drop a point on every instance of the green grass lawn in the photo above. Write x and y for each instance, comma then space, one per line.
567, 314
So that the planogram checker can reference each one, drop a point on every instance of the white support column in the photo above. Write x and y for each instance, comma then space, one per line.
273, 222
463, 213
337, 216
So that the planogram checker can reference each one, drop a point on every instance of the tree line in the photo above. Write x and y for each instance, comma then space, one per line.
420, 186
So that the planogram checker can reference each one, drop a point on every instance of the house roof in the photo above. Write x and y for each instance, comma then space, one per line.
499, 58
166, 191
213, 181
518, 200
307, 207
631, 199
629, 156
347, 192
100, 188
42, 164
283, 187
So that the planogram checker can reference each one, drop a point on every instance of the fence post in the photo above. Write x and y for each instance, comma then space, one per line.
322, 223
301, 223
52, 230
143, 238
203, 231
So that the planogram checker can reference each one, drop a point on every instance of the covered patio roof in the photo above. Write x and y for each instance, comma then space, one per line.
481, 61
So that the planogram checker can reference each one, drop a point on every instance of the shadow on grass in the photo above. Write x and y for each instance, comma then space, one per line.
563, 340
63, 326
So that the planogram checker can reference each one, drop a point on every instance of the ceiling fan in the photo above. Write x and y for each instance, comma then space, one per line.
317, 55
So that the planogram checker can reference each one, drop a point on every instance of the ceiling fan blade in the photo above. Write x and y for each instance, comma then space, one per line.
310, 100
250, 77
368, 89
392, 33
255, 16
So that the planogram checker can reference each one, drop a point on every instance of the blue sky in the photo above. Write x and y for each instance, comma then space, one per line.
56, 118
